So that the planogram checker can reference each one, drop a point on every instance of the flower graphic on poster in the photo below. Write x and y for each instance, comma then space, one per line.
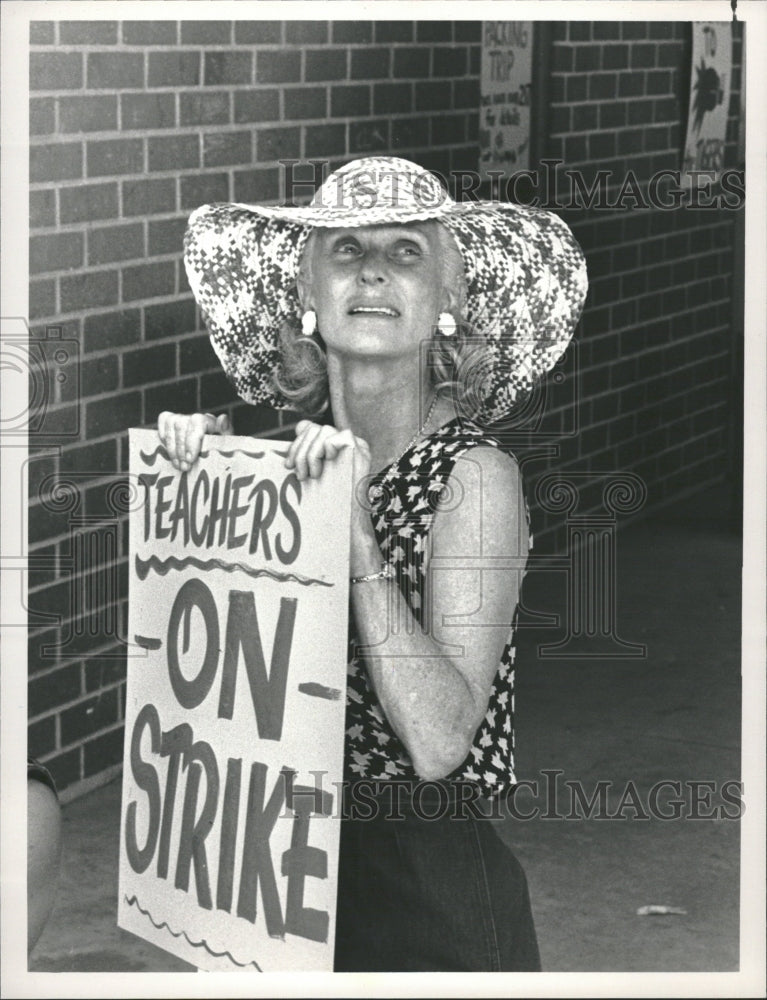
711, 68
708, 92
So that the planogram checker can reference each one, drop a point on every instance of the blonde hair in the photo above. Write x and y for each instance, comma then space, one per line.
457, 364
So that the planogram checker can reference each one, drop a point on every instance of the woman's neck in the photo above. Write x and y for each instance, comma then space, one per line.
386, 404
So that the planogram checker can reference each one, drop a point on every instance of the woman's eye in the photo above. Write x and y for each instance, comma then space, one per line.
347, 247
408, 250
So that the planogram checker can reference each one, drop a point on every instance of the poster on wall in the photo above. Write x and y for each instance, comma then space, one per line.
234, 718
709, 98
506, 82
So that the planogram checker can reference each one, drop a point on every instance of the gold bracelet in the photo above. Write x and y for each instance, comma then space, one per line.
386, 572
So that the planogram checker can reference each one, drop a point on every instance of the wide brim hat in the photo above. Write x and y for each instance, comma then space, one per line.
525, 274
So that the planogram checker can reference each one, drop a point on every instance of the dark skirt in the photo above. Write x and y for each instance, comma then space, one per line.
441, 894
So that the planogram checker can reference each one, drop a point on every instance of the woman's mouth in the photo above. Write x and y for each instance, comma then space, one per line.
373, 311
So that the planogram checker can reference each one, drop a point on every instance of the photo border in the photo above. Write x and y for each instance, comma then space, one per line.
749, 981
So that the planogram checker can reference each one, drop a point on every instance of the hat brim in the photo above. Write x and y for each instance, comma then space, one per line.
526, 285
332, 217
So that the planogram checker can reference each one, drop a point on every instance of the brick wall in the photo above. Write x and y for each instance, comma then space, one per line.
134, 124
655, 364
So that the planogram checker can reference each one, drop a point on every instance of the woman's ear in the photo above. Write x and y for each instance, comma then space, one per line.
455, 299
303, 287
454, 288
304, 276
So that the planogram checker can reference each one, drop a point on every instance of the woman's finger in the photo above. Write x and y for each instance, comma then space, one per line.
162, 428
303, 427
180, 424
301, 448
317, 453
197, 427
169, 435
337, 442
223, 424
165, 429
293, 446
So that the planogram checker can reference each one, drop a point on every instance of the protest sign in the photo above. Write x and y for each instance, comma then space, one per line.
234, 716
506, 84
709, 98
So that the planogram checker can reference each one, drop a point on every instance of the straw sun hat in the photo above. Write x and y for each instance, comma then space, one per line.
526, 275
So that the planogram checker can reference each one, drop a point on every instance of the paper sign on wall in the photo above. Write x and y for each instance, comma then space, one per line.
235, 706
709, 97
506, 81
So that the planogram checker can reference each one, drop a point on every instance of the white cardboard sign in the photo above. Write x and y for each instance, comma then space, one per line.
235, 706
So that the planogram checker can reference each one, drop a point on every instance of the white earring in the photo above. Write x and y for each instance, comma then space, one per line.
309, 322
446, 324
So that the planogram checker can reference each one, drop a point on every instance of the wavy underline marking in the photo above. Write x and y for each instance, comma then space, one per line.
233, 452
149, 458
146, 642
133, 901
319, 691
163, 566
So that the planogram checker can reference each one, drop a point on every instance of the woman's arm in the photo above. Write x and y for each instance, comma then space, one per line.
434, 683
43, 855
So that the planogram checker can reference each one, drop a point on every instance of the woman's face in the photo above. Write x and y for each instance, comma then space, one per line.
377, 290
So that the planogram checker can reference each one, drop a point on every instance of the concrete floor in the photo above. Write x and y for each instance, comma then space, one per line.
673, 714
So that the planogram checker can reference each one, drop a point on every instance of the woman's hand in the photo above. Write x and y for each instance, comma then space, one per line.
316, 444
182, 435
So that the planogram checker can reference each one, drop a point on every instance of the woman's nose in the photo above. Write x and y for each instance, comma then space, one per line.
373, 268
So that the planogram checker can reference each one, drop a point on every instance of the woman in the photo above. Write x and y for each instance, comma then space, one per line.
421, 322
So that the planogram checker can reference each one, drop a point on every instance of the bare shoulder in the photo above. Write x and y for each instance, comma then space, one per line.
483, 502
488, 476
493, 466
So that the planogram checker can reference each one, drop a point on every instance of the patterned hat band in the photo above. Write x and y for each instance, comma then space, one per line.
526, 275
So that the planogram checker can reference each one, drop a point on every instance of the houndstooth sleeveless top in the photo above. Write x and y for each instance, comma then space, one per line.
405, 498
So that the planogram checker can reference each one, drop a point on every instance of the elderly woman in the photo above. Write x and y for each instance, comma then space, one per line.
413, 322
